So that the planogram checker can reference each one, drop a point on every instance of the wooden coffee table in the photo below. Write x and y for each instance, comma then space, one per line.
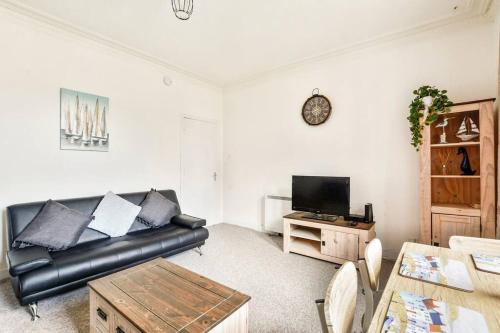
159, 296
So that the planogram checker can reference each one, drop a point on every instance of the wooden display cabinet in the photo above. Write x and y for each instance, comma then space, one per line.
452, 203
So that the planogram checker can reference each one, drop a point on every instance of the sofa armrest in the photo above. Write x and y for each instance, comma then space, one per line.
188, 221
27, 259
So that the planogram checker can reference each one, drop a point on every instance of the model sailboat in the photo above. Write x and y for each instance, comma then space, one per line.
468, 130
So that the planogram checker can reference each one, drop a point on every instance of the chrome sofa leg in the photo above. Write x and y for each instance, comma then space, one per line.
34, 311
200, 252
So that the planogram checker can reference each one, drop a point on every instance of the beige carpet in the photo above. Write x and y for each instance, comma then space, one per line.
283, 287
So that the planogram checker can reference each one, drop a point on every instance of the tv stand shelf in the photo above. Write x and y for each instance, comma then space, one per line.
298, 231
336, 241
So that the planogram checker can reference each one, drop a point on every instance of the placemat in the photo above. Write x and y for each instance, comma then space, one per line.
409, 313
487, 263
438, 270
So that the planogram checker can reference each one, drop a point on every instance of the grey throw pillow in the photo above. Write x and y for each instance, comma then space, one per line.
55, 227
114, 215
157, 210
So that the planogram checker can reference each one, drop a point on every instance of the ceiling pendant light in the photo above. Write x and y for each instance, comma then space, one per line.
182, 8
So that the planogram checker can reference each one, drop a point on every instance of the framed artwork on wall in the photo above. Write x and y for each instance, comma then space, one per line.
84, 121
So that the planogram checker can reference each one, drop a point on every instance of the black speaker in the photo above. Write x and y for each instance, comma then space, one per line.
368, 212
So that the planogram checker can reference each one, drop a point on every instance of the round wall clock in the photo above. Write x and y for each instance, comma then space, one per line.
316, 109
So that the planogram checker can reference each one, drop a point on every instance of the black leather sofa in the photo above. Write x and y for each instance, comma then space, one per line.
37, 273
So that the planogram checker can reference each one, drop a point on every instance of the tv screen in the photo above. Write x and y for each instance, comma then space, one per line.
321, 195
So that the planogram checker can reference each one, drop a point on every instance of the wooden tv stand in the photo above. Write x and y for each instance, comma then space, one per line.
336, 241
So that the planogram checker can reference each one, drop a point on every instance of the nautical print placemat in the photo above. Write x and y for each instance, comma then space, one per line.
487, 263
438, 270
409, 313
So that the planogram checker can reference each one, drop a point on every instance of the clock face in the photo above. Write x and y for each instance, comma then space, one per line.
316, 110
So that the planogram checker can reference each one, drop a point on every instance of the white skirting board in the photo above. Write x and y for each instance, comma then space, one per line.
275, 207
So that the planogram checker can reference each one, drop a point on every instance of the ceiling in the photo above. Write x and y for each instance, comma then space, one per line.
228, 41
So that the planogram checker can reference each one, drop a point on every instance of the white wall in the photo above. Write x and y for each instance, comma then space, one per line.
144, 119
367, 137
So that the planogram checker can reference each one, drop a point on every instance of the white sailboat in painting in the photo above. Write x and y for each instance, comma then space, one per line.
77, 132
468, 129
99, 124
87, 126
104, 135
68, 131
72, 125
95, 120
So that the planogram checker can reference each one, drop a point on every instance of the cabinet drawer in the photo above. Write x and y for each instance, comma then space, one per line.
444, 226
454, 218
101, 314
100, 329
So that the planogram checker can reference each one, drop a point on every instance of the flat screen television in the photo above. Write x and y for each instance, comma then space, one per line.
321, 195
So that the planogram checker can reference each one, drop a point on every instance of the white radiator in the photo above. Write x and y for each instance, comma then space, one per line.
275, 207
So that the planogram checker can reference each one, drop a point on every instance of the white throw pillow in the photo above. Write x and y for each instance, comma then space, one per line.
114, 215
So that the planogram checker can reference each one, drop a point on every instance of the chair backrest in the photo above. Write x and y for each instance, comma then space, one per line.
340, 301
470, 245
373, 260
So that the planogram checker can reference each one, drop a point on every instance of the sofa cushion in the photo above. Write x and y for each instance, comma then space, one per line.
86, 260
114, 215
137, 226
157, 210
90, 235
55, 227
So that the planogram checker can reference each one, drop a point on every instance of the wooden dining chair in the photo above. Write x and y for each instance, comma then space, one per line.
336, 311
470, 245
369, 270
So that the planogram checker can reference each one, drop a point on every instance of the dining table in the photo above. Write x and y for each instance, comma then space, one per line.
485, 298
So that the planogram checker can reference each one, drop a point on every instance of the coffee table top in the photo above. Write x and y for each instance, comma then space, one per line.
159, 296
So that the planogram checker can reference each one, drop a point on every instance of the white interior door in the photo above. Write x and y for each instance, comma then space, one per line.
199, 174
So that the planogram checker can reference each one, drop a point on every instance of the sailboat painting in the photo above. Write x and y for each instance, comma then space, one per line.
84, 121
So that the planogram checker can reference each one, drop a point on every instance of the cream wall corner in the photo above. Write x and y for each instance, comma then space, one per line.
367, 136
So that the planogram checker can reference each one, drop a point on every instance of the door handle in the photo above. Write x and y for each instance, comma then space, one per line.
215, 176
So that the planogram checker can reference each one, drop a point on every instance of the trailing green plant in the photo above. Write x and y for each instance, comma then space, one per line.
440, 105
